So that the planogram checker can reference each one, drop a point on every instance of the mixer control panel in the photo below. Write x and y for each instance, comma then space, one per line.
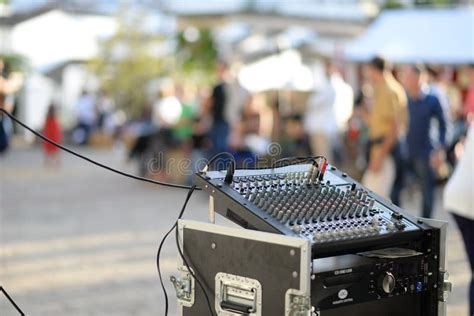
291, 201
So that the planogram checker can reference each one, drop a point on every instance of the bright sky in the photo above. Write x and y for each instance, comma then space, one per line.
103, 6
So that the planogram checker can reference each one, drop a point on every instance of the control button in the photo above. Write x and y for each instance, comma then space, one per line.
397, 215
400, 225
296, 229
386, 283
280, 215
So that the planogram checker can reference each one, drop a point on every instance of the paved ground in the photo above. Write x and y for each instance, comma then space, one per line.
83, 241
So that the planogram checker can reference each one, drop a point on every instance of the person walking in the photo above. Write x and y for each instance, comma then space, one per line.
469, 103
4, 136
52, 130
9, 84
216, 106
459, 201
86, 117
387, 120
423, 155
320, 120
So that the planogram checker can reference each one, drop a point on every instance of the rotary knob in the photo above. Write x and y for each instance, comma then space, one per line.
386, 283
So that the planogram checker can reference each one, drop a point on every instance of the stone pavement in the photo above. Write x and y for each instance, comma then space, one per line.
83, 241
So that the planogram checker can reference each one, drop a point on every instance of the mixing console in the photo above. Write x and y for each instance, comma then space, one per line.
293, 201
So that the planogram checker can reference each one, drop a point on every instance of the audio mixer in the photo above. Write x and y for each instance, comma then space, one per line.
364, 254
327, 209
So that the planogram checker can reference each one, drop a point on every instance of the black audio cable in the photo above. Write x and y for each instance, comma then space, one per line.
224, 153
72, 152
158, 254
190, 192
193, 274
122, 173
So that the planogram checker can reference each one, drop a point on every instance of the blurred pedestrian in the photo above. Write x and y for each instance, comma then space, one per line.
320, 119
344, 102
183, 129
9, 84
343, 109
424, 157
387, 121
357, 133
143, 131
437, 88
469, 104
4, 137
199, 145
105, 108
456, 126
167, 109
237, 98
86, 117
257, 125
459, 200
52, 130
216, 107
294, 141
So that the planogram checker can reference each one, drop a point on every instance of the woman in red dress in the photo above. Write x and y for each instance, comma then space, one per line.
52, 130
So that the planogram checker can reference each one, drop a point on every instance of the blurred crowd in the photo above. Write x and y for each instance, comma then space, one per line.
404, 126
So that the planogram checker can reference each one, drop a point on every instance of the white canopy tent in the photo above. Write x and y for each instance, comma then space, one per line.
280, 71
444, 36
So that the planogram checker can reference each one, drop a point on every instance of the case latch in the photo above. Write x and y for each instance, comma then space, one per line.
447, 286
184, 287
297, 304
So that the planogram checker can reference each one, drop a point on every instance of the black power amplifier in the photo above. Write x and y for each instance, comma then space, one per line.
354, 279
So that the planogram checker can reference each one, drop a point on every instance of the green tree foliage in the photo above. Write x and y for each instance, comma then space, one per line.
196, 60
14, 62
397, 4
393, 4
128, 62
434, 2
